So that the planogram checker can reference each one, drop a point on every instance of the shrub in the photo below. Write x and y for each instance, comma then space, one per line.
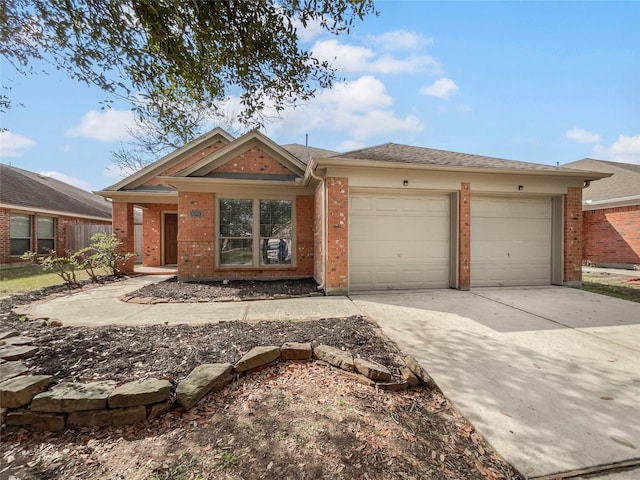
104, 252
65, 267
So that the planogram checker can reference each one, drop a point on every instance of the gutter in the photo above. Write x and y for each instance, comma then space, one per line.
313, 175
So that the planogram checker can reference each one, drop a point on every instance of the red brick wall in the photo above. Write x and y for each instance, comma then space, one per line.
337, 255
612, 236
196, 252
318, 254
62, 222
573, 236
254, 160
123, 229
152, 234
197, 247
196, 157
464, 245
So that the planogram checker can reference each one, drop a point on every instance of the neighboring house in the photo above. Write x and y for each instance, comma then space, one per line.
611, 214
386, 217
35, 211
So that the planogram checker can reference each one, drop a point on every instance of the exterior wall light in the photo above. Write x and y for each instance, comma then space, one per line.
405, 183
520, 187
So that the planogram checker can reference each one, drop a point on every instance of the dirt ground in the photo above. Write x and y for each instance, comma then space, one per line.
290, 420
621, 286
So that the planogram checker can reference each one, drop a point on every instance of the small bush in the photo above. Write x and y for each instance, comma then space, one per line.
104, 252
64, 267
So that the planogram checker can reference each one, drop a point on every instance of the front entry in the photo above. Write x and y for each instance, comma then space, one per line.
170, 238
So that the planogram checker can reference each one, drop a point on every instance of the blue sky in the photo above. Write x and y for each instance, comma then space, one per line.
545, 82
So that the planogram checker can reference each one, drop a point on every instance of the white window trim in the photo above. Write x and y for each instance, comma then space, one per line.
255, 244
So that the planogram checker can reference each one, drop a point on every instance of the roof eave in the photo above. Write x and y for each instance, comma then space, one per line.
350, 162
60, 213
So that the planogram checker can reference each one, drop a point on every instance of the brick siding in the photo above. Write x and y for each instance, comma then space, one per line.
612, 236
62, 222
464, 247
318, 254
573, 236
123, 229
337, 255
254, 161
152, 234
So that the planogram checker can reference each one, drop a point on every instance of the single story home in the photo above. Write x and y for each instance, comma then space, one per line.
611, 214
386, 217
35, 211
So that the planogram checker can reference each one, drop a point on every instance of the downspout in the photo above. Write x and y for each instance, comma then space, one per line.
324, 236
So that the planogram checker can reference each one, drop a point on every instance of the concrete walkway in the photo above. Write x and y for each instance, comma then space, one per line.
100, 306
550, 376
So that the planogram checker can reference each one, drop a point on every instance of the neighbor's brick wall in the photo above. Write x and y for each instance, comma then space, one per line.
573, 240
612, 235
254, 161
123, 229
196, 240
152, 234
196, 157
318, 254
62, 222
337, 255
464, 246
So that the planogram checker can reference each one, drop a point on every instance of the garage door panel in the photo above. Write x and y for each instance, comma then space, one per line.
510, 241
399, 242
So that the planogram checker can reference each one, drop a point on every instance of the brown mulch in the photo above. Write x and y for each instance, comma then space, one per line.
291, 420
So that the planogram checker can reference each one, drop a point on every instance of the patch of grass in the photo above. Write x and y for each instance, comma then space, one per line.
28, 277
617, 286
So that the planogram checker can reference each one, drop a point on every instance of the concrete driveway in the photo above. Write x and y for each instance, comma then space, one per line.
550, 375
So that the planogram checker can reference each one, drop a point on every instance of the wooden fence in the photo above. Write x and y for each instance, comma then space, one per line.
79, 236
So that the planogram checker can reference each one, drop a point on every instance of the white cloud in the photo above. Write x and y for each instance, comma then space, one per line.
357, 59
582, 136
624, 150
76, 182
360, 109
14, 144
441, 88
400, 40
107, 126
313, 30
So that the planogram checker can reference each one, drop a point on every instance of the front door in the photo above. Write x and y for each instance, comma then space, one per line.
170, 238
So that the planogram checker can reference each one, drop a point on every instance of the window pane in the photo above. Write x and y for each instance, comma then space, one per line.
45, 245
236, 218
275, 251
46, 227
20, 225
275, 218
236, 251
19, 246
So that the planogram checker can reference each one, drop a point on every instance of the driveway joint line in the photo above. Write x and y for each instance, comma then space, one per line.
578, 330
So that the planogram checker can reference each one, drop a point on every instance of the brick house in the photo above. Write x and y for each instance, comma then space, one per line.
35, 211
387, 217
611, 214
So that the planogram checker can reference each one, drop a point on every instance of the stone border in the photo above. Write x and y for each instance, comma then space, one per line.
26, 400
158, 300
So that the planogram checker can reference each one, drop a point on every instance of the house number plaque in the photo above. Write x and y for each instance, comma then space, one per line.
195, 213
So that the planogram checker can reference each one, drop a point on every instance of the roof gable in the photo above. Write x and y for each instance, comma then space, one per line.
175, 161
247, 155
624, 183
21, 188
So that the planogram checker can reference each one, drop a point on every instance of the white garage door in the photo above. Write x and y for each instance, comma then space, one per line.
398, 242
510, 241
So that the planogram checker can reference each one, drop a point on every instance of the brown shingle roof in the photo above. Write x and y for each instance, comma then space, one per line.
393, 152
31, 190
625, 181
307, 153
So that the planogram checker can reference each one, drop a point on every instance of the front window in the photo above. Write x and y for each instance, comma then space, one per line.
46, 229
19, 233
275, 232
236, 232
270, 219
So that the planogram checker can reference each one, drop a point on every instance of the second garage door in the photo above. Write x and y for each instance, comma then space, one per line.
399, 241
510, 241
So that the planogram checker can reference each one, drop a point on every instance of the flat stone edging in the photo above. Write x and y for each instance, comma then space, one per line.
26, 400
158, 300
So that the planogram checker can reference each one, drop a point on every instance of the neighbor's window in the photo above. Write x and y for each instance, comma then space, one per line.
19, 233
236, 232
46, 231
275, 232
239, 219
